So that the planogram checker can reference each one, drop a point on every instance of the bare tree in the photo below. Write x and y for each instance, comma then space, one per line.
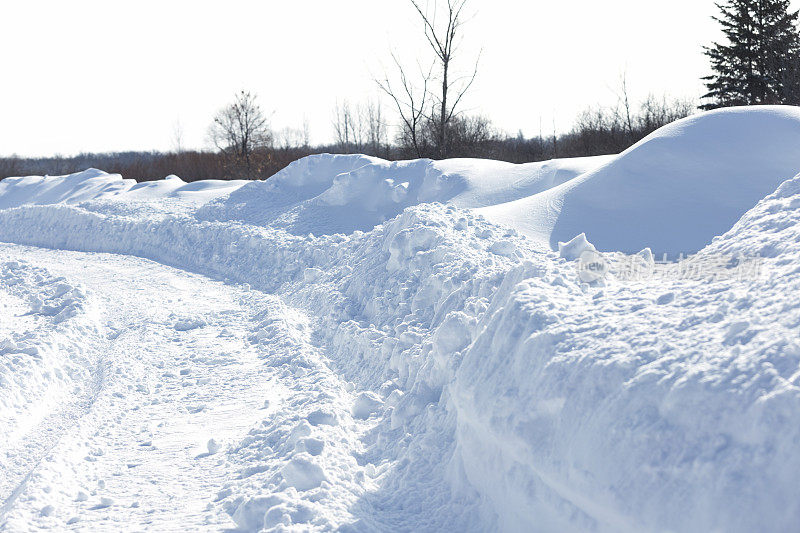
443, 38
360, 127
410, 103
240, 129
306, 133
471, 136
655, 113
289, 138
626, 103
375, 126
177, 136
346, 126
555, 138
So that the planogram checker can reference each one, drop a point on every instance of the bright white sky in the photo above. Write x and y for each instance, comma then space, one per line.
107, 75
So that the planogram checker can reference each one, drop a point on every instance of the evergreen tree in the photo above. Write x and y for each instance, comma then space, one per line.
760, 63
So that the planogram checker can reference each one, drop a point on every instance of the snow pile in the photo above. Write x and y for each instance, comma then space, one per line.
674, 190
321, 194
173, 187
771, 229
378, 293
44, 322
96, 185
327, 194
573, 249
90, 184
326, 203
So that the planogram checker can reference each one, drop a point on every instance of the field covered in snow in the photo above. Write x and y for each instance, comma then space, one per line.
458, 345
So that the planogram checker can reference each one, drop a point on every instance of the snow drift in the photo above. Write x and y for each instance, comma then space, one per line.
90, 184
93, 184
674, 190
327, 194
486, 387
174, 187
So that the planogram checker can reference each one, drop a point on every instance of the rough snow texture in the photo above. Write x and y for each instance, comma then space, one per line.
431, 372
46, 333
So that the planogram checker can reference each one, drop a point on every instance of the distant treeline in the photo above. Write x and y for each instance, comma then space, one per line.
597, 131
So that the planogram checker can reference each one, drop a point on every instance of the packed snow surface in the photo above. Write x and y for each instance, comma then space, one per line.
353, 344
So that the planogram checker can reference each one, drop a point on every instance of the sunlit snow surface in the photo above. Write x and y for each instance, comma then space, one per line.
372, 346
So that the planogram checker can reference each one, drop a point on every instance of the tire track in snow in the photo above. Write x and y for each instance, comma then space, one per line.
427, 261
43, 440
35, 330
188, 360
90, 449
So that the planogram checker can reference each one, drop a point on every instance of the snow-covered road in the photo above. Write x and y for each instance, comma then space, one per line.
174, 379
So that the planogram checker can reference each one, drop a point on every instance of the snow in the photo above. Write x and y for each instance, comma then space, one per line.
302, 473
327, 194
93, 184
674, 190
573, 249
354, 345
39, 355
174, 187
367, 404
73, 188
